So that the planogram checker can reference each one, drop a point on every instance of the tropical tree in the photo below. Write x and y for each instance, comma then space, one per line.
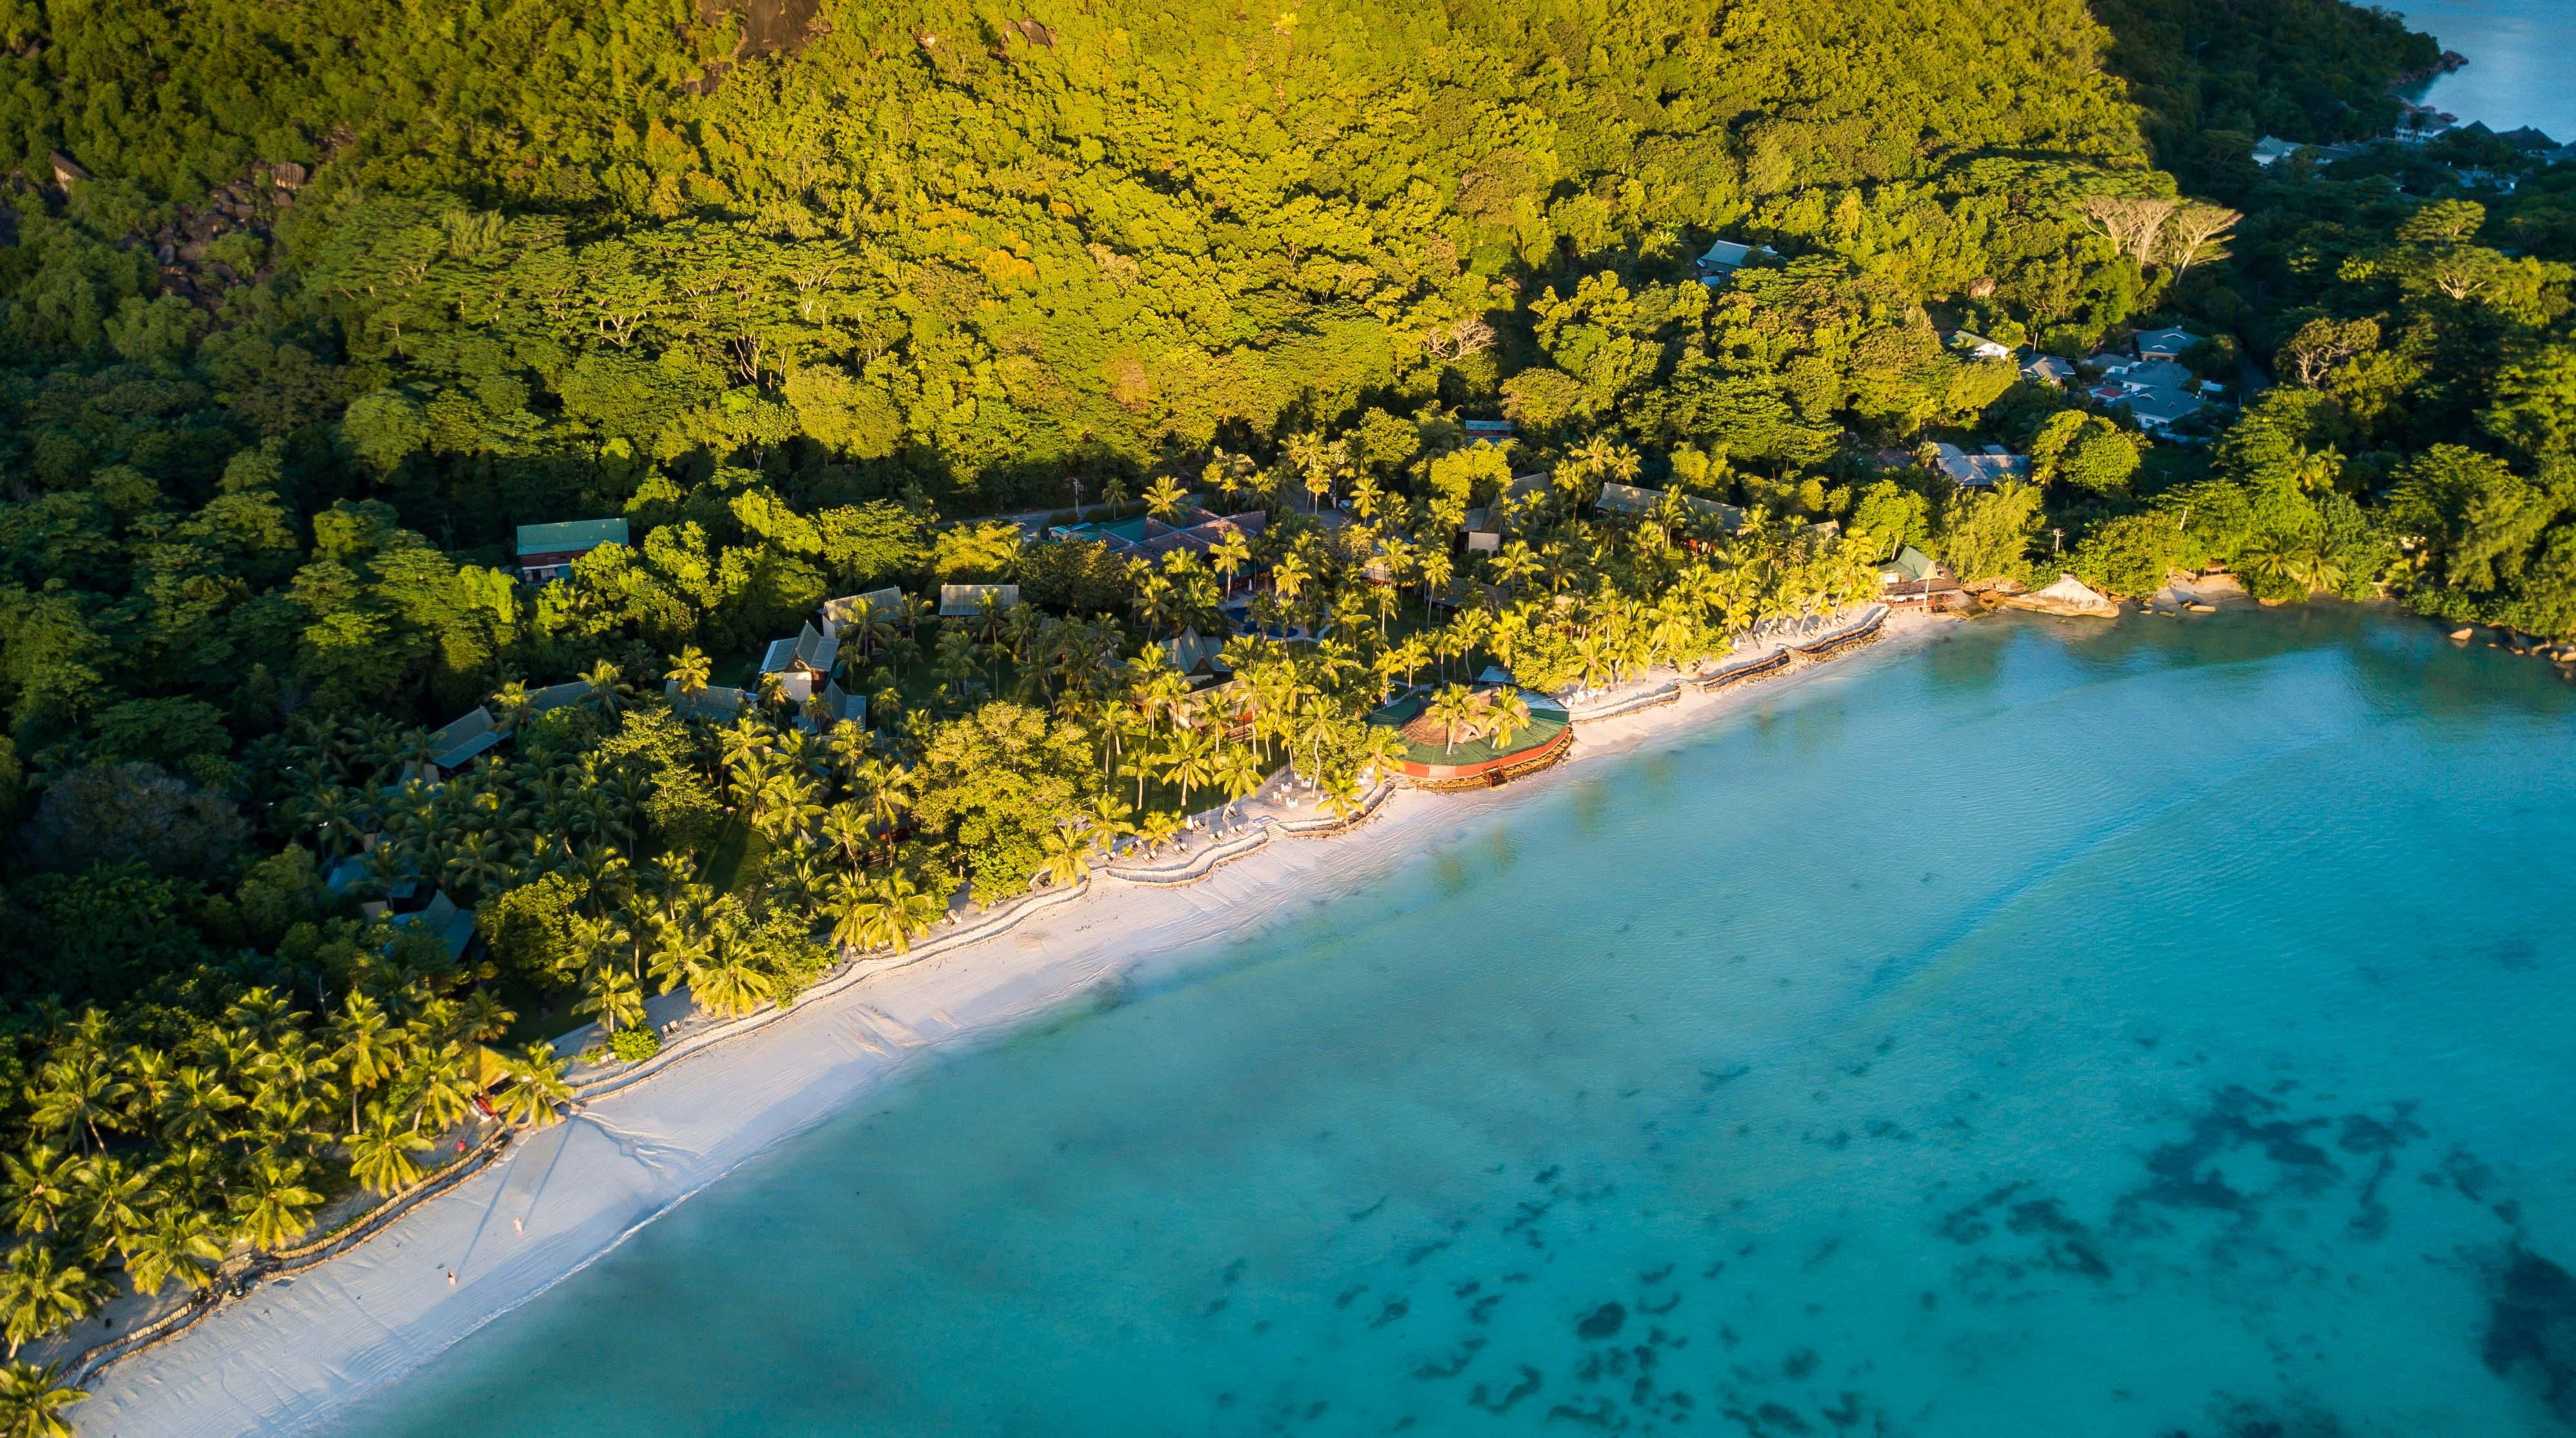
537, 1088
32, 1400
691, 671
1066, 853
885, 911
178, 1243
380, 1151
41, 1292
1453, 708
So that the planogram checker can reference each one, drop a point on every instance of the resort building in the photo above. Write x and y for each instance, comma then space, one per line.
2166, 344
457, 742
1725, 257
804, 662
1148, 538
546, 551
1914, 580
1489, 431
967, 601
886, 603
1632, 499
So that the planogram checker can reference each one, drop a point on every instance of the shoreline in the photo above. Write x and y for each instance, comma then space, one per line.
300, 1348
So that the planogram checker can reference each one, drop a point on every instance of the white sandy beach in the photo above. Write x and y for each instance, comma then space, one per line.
297, 1349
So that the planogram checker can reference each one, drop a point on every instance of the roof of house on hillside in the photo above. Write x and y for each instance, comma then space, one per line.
2166, 344
1192, 652
2156, 374
444, 921
1992, 465
967, 600
572, 536
856, 607
2164, 406
461, 739
710, 700
821, 711
2050, 368
1632, 499
1979, 345
811, 650
1910, 564
556, 696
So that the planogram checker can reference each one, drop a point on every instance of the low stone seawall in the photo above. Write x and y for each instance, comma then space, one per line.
852, 971
228, 1287
1199, 865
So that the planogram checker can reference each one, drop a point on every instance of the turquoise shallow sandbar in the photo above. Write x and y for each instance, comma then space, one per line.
2072, 1029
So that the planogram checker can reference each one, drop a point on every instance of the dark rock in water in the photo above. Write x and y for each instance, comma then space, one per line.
1395, 1308
1783, 1418
1602, 1322
2531, 1330
1799, 1364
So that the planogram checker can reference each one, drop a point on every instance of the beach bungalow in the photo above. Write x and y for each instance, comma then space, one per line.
546, 551
1477, 534
1488, 431
1915, 580
457, 742
556, 696
709, 703
1197, 656
1632, 499
886, 603
1992, 465
967, 601
446, 922
805, 662
2166, 344
831, 707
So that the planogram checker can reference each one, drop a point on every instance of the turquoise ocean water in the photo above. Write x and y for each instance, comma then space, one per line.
2149, 1030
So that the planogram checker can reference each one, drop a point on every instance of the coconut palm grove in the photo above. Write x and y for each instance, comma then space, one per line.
513, 512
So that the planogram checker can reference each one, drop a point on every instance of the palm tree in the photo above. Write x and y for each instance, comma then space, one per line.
1190, 760
1238, 773
38, 1187
114, 1201
611, 992
537, 1088
690, 671
883, 912
607, 693
1452, 708
1230, 554
274, 1207
32, 1400
40, 1293
1163, 498
78, 1091
1381, 751
1158, 828
178, 1243
510, 704
1065, 853
1341, 794
1506, 714
380, 1152
195, 1108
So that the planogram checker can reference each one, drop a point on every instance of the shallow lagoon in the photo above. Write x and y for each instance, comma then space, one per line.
2153, 1029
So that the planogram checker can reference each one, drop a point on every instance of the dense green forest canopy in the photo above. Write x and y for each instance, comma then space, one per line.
303, 308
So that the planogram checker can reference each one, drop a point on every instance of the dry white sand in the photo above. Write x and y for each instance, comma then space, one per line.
297, 1349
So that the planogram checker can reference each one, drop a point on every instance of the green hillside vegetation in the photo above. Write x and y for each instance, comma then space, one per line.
306, 308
